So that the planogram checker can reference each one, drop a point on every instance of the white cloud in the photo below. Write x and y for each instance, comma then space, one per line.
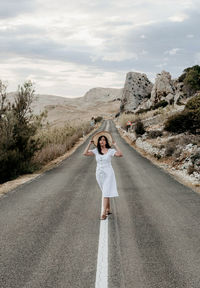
62, 79
161, 65
119, 56
190, 36
178, 18
68, 47
173, 51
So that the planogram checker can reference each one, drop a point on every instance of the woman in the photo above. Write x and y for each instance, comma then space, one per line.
104, 172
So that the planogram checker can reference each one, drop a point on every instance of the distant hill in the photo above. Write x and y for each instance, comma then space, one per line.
96, 102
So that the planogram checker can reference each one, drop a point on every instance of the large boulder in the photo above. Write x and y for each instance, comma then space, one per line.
163, 88
137, 88
180, 94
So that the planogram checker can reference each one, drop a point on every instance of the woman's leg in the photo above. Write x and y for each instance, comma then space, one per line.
108, 205
105, 204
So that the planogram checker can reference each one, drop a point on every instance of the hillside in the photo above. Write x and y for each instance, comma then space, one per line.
96, 102
178, 153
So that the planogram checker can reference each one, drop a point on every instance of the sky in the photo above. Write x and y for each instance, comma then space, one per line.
68, 47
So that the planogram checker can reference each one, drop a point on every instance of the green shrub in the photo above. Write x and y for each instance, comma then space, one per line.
139, 128
187, 120
157, 156
180, 122
191, 169
98, 119
154, 134
191, 79
170, 149
193, 103
142, 110
162, 103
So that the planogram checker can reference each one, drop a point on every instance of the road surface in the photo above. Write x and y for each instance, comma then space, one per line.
49, 227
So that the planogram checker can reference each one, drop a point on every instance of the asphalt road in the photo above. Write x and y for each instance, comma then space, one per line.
49, 227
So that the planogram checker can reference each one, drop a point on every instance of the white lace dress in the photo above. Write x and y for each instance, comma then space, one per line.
105, 174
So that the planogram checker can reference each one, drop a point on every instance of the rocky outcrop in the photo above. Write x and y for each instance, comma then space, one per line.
137, 88
180, 94
163, 88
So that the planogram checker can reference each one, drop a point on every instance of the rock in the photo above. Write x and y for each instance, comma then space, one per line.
146, 104
187, 163
197, 175
195, 158
179, 93
169, 98
163, 88
137, 88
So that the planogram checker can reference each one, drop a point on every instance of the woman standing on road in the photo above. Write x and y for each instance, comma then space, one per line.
104, 172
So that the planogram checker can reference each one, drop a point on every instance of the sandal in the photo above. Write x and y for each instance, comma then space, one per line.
103, 217
108, 212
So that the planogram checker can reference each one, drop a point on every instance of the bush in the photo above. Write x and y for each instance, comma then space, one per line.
139, 128
162, 103
154, 134
142, 110
157, 156
191, 79
191, 169
193, 103
187, 120
98, 119
170, 150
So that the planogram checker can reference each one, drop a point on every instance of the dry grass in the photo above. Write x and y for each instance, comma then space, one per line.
161, 113
184, 139
56, 141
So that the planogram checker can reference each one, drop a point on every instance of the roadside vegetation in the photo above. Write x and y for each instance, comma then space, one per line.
26, 142
57, 141
187, 120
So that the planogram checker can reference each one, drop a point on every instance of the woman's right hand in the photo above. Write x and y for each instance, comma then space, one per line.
91, 142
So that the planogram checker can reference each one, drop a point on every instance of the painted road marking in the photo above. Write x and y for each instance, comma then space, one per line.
102, 260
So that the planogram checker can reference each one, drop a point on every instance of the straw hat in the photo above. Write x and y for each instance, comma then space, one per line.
102, 133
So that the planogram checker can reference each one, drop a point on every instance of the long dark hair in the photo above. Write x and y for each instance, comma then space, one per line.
99, 146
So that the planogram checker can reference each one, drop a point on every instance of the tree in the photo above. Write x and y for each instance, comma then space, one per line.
18, 126
191, 79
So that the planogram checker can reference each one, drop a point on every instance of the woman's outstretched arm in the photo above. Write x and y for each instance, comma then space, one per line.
118, 153
86, 152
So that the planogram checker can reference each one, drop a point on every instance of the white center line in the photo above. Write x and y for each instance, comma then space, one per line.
102, 261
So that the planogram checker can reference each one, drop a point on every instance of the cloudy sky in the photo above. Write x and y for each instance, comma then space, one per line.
67, 47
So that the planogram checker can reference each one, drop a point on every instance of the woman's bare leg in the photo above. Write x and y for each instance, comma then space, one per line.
108, 205
105, 204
